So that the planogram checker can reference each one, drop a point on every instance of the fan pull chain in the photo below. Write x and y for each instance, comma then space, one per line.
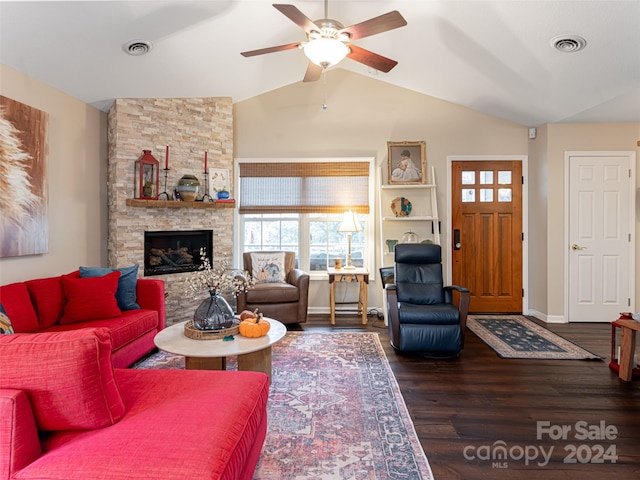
324, 86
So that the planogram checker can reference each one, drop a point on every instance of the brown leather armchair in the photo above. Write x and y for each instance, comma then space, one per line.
285, 301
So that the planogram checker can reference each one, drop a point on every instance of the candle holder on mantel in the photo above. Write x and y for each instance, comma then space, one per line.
165, 193
206, 197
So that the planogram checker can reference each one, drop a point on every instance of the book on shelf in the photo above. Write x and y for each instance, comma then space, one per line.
225, 200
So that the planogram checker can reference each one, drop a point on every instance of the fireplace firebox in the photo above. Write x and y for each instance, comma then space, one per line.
178, 251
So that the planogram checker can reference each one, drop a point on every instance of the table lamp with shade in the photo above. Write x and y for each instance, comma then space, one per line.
349, 225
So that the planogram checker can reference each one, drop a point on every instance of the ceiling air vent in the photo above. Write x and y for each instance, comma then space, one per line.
568, 43
137, 47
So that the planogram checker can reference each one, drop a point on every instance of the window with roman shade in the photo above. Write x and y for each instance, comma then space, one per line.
304, 187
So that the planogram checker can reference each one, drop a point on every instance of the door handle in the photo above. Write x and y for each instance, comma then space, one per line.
575, 246
456, 239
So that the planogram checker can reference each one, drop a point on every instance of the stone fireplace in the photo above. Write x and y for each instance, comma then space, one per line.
190, 126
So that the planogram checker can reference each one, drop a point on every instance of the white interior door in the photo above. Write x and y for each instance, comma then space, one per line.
600, 248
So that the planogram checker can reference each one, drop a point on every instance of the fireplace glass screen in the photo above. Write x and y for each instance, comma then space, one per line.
175, 251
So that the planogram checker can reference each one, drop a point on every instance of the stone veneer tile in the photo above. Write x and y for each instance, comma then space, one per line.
189, 126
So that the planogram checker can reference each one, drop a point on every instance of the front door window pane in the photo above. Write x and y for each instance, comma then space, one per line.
468, 195
504, 194
504, 177
486, 194
486, 177
468, 178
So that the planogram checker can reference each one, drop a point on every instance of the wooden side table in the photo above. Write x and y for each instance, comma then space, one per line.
627, 346
360, 275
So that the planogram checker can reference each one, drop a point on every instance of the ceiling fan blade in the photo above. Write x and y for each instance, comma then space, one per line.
380, 24
262, 51
371, 59
296, 16
313, 73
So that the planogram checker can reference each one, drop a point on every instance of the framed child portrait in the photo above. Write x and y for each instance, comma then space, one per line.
407, 163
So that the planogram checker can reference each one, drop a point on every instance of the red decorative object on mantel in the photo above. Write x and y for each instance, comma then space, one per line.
147, 173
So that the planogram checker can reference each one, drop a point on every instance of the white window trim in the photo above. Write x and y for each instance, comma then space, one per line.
369, 231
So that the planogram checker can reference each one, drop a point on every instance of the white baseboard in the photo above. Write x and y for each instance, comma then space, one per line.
547, 318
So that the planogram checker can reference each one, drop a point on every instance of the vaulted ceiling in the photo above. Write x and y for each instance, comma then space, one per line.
494, 56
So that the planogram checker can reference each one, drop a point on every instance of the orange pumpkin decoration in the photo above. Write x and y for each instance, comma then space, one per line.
254, 327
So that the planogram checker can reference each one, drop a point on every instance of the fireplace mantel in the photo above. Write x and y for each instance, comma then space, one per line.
135, 202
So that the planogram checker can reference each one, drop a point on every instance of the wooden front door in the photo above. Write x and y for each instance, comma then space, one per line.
487, 233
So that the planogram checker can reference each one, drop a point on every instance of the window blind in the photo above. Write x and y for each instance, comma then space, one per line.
304, 187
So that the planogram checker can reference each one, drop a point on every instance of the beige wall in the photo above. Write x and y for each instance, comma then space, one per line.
561, 138
538, 204
76, 167
363, 114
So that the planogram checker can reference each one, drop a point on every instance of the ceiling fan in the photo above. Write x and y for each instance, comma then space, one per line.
328, 41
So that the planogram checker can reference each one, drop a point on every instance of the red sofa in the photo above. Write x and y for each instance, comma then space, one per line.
66, 413
69, 302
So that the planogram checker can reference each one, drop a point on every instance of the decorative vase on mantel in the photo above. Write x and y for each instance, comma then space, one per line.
188, 187
214, 313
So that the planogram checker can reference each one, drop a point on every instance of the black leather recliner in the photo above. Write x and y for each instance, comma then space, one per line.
421, 314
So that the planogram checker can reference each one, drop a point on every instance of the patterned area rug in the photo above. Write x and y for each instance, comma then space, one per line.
518, 337
335, 411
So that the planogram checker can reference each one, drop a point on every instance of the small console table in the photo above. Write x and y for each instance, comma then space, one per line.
360, 275
624, 363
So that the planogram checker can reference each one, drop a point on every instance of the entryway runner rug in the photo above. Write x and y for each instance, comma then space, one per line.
514, 336
335, 411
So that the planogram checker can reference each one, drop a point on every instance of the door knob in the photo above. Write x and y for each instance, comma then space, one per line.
575, 246
456, 239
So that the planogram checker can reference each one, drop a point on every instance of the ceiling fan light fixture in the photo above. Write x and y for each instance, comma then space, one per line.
326, 52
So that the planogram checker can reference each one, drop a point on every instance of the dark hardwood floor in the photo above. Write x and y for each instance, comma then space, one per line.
466, 408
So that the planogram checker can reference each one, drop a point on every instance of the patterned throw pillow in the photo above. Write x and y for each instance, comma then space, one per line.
268, 267
5, 323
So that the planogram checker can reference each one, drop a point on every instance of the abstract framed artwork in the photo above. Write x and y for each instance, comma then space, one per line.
24, 227
407, 163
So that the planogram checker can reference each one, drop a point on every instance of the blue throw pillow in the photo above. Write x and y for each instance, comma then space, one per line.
126, 293
5, 323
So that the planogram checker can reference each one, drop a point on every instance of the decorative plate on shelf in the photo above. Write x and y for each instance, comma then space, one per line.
401, 207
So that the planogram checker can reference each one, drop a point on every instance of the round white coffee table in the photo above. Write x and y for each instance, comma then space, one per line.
253, 353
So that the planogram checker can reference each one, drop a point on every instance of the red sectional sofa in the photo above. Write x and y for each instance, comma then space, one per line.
66, 413
69, 302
